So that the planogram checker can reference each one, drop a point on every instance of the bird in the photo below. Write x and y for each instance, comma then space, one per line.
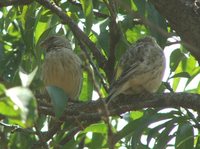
139, 70
61, 67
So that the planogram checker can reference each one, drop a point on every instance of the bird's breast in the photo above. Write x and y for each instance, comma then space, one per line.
62, 68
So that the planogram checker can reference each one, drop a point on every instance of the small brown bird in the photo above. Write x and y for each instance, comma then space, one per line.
140, 69
62, 67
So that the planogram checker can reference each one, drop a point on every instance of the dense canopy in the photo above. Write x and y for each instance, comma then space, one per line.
100, 31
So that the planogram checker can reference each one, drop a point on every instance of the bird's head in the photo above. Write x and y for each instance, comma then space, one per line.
147, 39
55, 41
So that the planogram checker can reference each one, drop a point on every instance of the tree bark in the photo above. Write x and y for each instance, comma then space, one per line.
184, 18
93, 111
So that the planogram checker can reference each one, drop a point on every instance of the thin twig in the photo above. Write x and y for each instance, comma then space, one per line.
42, 141
110, 8
114, 39
69, 135
92, 78
93, 66
16, 128
105, 117
73, 131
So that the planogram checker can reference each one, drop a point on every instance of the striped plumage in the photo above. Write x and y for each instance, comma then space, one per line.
62, 67
140, 69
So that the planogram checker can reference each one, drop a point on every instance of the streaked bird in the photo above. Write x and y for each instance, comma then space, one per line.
61, 67
140, 69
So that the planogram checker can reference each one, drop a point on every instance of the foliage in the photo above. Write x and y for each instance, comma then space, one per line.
23, 28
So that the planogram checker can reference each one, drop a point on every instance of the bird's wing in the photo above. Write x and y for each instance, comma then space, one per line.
129, 62
129, 65
122, 83
126, 74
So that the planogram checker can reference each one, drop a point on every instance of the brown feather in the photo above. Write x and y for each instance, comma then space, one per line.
62, 68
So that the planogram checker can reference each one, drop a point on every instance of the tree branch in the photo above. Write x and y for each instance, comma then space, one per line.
114, 37
4, 3
185, 20
78, 33
93, 111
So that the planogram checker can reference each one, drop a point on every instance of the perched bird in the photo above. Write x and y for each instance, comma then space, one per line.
140, 69
61, 67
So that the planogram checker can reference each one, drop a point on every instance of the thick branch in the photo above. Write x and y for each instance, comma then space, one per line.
166, 100
114, 38
78, 33
184, 18
94, 111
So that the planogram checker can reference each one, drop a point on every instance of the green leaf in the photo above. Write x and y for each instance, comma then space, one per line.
175, 84
103, 37
197, 143
127, 22
7, 109
194, 74
25, 101
185, 136
41, 25
121, 48
2, 89
181, 75
164, 137
97, 141
21, 140
136, 114
157, 21
58, 98
135, 33
153, 133
88, 12
45, 34
26, 79
175, 58
140, 6
97, 128
70, 144
87, 87
188, 64
136, 127
9, 17
30, 20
